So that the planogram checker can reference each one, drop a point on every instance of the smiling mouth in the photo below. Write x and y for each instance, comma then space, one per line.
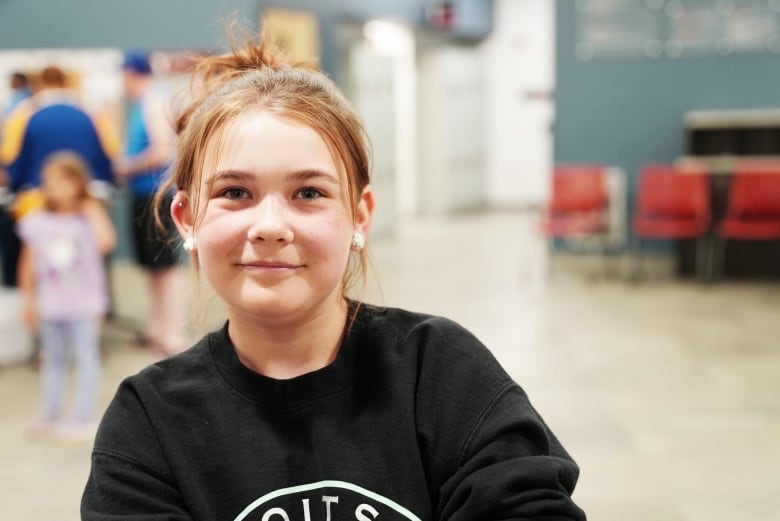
281, 266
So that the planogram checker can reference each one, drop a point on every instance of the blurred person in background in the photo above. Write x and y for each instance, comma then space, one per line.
20, 90
149, 149
62, 279
9, 242
51, 120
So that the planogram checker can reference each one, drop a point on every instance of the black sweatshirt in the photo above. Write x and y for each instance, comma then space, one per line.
415, 419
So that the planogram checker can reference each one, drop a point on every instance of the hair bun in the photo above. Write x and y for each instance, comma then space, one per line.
212, 71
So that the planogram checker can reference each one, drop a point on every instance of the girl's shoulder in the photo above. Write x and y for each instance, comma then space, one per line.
433, 337
405, 321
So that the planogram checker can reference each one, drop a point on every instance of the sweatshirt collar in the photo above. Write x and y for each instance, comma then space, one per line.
294, 393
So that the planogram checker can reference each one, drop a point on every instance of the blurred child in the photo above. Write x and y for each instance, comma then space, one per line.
64, 290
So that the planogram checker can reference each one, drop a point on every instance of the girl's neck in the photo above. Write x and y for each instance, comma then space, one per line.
284, 351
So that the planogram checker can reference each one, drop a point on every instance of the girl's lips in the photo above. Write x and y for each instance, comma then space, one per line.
272, 265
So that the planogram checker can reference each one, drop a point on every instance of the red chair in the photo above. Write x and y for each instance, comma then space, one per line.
578, 202
753, 207
578, 208
673, 202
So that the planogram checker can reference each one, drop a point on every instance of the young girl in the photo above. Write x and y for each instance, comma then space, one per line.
308, 405
63, 284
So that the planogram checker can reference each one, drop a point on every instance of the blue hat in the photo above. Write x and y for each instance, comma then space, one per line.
137, 62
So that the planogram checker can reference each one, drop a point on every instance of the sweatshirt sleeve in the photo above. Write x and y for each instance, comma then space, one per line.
129, 479
490, 456
512, 467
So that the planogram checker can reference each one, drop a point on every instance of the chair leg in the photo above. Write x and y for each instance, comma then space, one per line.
612, 265
550, 271
717, 264
703, 259
605, 257
638, 268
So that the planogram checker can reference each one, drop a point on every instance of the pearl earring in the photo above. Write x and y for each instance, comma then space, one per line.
358, 241
189, 244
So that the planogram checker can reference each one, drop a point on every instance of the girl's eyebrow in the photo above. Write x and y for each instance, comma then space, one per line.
301, 175
305, 175
232, 175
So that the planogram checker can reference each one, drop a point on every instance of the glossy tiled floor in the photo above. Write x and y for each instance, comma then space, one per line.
667, 393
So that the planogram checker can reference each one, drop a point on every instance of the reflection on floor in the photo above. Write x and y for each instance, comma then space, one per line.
667, 393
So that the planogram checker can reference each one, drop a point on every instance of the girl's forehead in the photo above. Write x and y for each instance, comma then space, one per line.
264, 139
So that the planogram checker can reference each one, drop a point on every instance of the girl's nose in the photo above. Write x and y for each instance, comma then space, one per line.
270, 222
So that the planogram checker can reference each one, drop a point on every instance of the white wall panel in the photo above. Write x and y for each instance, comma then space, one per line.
371, 90
451, 129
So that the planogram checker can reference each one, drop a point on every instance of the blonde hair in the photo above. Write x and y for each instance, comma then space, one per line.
71, 166
255, 75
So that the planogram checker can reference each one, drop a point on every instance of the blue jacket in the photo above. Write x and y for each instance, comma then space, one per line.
39, 127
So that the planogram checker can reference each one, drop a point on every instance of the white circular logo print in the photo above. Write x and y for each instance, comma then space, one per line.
325, 501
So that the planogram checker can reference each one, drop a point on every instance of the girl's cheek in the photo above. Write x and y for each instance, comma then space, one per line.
212, 241
213, 216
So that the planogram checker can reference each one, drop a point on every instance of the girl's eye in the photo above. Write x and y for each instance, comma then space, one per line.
308, 193
234, 193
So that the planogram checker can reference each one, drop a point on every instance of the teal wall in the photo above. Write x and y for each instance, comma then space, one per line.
173, 24
185, 24
628, 111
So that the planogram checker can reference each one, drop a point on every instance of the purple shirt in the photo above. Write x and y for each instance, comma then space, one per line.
70, 276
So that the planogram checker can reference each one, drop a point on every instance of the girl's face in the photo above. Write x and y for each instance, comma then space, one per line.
60, 190
276, 229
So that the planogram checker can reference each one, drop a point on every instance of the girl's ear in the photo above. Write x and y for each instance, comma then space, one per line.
182, 214
364, 214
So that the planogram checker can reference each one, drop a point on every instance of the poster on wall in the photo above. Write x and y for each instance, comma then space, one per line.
694, 27
94, 74
676, 28
723, 27
295, 31
618, 28
752, 25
